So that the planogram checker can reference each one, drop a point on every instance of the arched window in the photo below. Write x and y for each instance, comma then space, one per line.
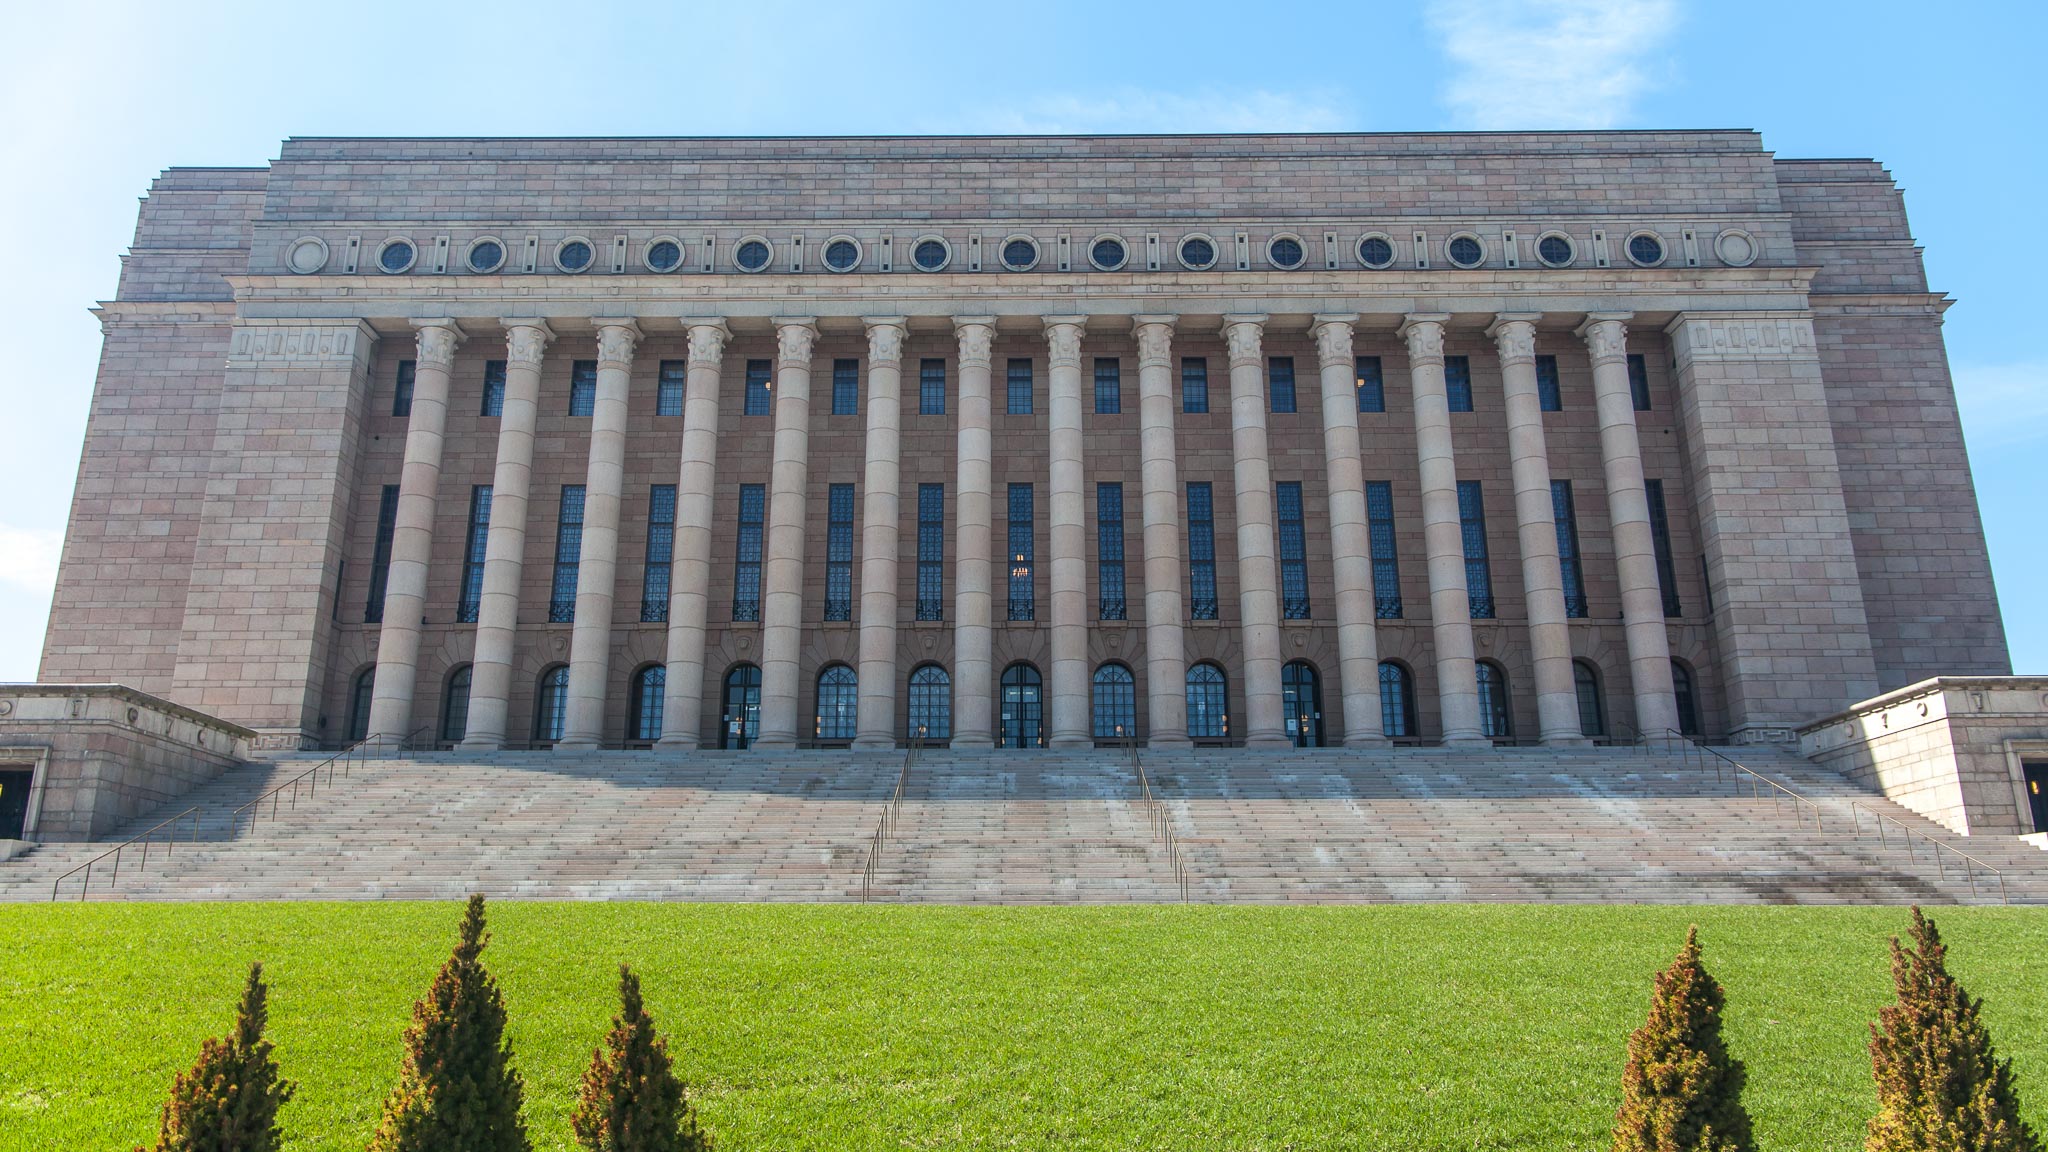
1688, 703
551, 708
1023, 708
1397, 701
643, 703
455, 706
359, 703
1208, 703
740, 724
1496, 717
1301, 697
838, 703
1115, 703
931, 703
1592, 715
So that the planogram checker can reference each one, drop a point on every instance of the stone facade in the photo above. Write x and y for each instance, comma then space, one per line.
1817, 539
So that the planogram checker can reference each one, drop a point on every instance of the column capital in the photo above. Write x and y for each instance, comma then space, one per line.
437, 339
1243, 331
1333, 332
1155, 338
1063, 339
616, 338
885, 338
707, 341
1514, 335
526, 340
1605, 334
1424, 332
794, 336
976, 334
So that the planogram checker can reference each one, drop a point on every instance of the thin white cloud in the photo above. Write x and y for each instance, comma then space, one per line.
1545, 64
2003, 404
1143, 110
28, 558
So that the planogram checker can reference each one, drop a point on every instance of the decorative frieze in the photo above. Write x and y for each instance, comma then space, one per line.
1745, 336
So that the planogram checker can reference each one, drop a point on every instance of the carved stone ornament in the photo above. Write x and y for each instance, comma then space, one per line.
793, 342
1607, 340
525, 343
1243, 337
885, 343
1063, 341
339, 342
707, 344
1333, 343
1426, 340
1516, 341
1155, 344
437, 344
975, 342
615, 343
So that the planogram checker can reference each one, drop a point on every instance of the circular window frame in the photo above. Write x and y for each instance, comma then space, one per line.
1098, 265
1180, 251
292, 249
1756, 250
564, 242
469, 255
1003, 252
860, 254
1298, 265
1628, 248
1475, 238
1571, 248
647, 255
753, 238
378, 259
1393, 254
920, 242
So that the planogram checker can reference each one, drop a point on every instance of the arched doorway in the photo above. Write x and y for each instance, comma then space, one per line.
359, 704
1023, 708
1208, 703
1115, 703
644, 703
1397, 702
551, 705
740, 723
1301, 696
931, 704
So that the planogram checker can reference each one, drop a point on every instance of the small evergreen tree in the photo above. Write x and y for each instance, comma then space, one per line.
632, 1101
228, 1102
1681, 1090
457, 1090
1940, 1087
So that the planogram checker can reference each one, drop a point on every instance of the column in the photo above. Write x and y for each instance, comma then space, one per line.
875, 717
1258, 573
590, 643
1070, 719
973, 606
1628, 513
1166, 660
682, 705
412, 536
1358, 651
782, 577
1550, 642
497, 615
1443, 533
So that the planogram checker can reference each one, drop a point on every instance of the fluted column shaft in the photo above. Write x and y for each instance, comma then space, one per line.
682, 706
1628, 510
412, 536
1550, 642
1258, 573
876, 712
1166, 662
590, 643
1069, 536
1450, 606
497, 616
1358, 652
973, 603
782, 597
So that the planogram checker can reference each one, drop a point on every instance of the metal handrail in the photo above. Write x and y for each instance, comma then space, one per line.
142, 838
1162, 821
345, 760
890, 815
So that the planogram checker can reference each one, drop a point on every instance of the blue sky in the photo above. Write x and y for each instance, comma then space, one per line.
111, 93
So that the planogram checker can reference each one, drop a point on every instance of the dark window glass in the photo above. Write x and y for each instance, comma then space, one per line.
1645, 249
1458, 383
1554, 250
568, 556
931, 551
1465, 252
359, 697
494, 388
839, 552
1568, 549
1548, 396
1372, 385
396, 256
1022, 552
551, 709
1196, 252
1301, 701
1115, 703
380, 556
1397, 702
1022, 708
1109, 549
1108, 253
485, 256
1375, 252
582, 387
758, 397
455, 706
845, 387
1194, 384
1293, 552
1280, 382
930, 255
665, 256
643, 704
746, 576
1020, 386
753, 256
1109, 394
1688, 703
1208, 703
1201, 552
474, 549
1639, 381
575, 256
1592, 717
1020, 254
1706, 585
1386, 567
841, 255
838, 703
1478, 572
1496, 715
668, 388
1285, 252
401, 396
931, 387
931, 704
661, 545
1660, 542
740, 723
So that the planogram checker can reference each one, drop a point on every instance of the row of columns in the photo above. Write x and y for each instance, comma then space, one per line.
1514, 335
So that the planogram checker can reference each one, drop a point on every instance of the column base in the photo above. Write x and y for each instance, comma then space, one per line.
1572, 741
1158, 742
481, 744
874, 743
972, 744
1273, 741
1071, 742
676, 744
576, 744
1467, 740
775, 743
1374, 740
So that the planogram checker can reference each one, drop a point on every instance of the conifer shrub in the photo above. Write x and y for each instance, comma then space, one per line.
632, 1101
228, 1102
457, 1089
1681, 1091
1940, 1086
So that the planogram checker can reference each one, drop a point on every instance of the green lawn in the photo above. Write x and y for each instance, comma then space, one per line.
812, 1027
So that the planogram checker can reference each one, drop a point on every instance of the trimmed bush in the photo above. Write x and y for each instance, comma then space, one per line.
632, 1101
228, 1102
1681, 1090
1940, 1086
457, 1090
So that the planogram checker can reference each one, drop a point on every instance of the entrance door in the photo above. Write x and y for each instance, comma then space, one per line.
742, 720
1301, 695
14, 786
1023, 708
2037, 792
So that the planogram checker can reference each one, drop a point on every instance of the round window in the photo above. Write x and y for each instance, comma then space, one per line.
574, 256
752, 255
842, 255
1644, 248
1019, 254
1107, 254
931, 254
486, 256
1197, 252
1375, 251
1465, 251
306, 256
1284, 252
1555, 250
396, 256
664, 255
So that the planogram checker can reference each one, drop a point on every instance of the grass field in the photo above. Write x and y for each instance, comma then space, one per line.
1440, 1027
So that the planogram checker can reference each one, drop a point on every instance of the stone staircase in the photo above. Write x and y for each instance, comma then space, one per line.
1321, 826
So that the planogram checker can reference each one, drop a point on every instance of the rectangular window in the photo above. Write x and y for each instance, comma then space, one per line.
1022, 552
474, 549
1639, 381
568, 555
1280, 382
494, 388
931, 387
668, 389
1568, 549
839, 552
1020, 386
1458, 383
582, 387
931, 551
1478, 572
1548, 396
1660, 542
1372, 385
661, 551
846, 387
746, 570
1386, 568
380, 557
1293, 552
1109, 549
1109, 391
1201, 552
755, 400
1194, 384
401, 396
